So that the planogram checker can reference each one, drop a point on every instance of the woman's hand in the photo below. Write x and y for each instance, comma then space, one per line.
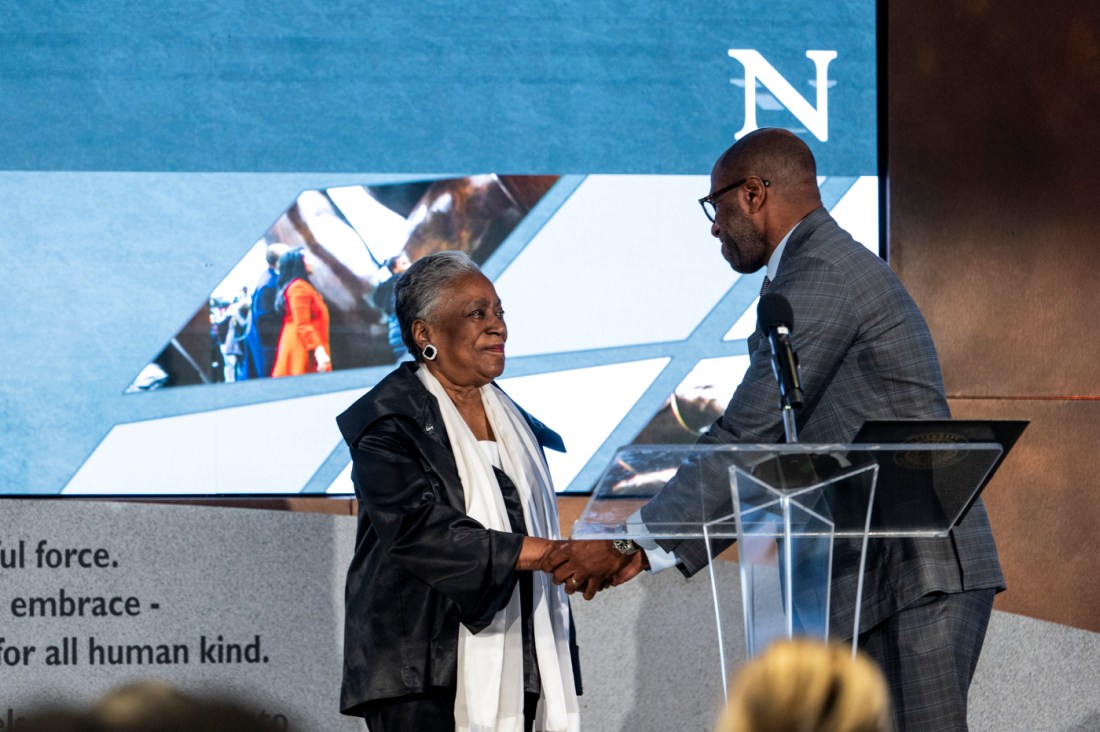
535, 554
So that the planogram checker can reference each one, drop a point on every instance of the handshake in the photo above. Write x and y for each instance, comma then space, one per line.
588, 566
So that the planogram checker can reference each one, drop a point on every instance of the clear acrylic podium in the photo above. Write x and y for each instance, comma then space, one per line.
798, 513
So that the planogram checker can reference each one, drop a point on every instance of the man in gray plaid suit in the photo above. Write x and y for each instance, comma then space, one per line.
865, 352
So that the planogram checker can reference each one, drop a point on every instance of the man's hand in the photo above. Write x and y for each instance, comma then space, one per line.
638, 563
590, 566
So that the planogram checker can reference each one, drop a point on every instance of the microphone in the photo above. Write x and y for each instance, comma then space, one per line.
776, 321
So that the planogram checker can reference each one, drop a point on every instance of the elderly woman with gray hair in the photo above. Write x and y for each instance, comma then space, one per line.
452, 620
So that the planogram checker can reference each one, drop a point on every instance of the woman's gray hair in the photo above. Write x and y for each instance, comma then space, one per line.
423, 285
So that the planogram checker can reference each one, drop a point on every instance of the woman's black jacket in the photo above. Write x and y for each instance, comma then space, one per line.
421, 566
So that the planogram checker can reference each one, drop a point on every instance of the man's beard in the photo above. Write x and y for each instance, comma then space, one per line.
743, 245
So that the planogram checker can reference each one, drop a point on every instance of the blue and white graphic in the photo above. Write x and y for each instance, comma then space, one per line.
153, 152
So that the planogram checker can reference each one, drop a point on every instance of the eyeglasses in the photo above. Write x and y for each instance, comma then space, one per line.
707, 201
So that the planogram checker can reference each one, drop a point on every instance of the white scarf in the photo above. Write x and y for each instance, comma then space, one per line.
490, 693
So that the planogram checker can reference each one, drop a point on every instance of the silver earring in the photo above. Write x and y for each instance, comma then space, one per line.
429, 352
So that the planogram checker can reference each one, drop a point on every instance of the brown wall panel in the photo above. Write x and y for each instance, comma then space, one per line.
993, 169
1044, 504
993, 129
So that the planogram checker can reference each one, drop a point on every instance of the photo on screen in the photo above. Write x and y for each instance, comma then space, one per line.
347, 247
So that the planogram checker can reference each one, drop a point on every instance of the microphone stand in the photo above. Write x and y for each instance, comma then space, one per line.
785, 547
775, 320
787, 379
788, 422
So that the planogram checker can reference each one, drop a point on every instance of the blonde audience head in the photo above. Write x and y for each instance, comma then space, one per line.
803, 685
142, 705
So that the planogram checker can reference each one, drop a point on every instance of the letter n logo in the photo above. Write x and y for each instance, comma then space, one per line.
757, 69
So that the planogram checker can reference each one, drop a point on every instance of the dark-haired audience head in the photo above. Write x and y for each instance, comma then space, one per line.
150, 706
763, 185
805, 685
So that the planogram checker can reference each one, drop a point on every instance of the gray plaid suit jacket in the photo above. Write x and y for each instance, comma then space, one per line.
865, 352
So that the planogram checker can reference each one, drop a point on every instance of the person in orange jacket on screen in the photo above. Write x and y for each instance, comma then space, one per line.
303, 344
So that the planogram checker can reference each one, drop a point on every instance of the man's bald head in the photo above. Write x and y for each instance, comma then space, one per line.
761, 188
777, 156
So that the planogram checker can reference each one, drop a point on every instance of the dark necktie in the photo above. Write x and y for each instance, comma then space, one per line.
764, 287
